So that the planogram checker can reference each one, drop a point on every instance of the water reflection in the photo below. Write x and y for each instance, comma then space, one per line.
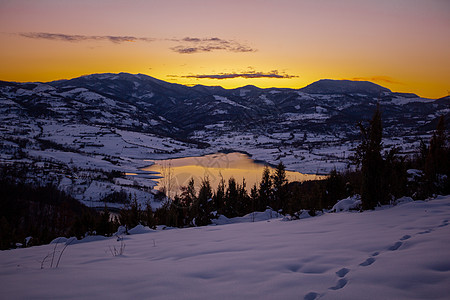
177, 172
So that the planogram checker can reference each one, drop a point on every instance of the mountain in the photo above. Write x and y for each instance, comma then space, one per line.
328, 86
115, 122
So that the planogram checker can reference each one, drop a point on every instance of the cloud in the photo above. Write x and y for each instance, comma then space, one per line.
190, 45
82, 38
379, 79
247, 75
187, 45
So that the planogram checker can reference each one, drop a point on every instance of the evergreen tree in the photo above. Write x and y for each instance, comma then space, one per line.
437, 162
202, 205
219, 197
335, 189
280, 197
369, 155
243, 201
254, 196
104, 226
186, 200
231, 199
148, 216
265, 190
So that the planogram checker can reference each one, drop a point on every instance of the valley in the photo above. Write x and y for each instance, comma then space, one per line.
85, 134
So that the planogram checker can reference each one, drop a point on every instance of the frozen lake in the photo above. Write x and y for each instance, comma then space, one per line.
215, 166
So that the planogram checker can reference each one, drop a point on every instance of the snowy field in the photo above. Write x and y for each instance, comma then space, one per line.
400, 252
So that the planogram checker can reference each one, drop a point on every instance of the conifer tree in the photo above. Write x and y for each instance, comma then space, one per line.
231, 198
104, 226
437, 160
202, 205
280, 197
243, 202
219, 197
372, 164
186, 200
265, 190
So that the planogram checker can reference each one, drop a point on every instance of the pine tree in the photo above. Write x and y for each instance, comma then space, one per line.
231, 198
219, 197
372, 164
243, 202
280, 196
104, 226
202, 205
265, 190
186, 200
437, 162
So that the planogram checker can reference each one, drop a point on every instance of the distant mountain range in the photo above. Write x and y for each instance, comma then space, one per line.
145, 104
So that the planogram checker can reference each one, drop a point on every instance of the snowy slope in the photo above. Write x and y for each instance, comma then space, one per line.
392, 253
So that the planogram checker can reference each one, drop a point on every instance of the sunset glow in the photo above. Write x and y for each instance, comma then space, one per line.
402, 45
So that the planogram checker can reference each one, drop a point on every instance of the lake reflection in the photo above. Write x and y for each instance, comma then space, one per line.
214, 166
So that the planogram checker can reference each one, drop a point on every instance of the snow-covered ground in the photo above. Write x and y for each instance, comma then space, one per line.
399, 252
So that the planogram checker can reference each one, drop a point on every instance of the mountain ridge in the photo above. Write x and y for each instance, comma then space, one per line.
328, 86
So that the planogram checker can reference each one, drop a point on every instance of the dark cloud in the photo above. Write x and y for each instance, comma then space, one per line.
190, 45
187, 45
248, 75
379, 79
82, 38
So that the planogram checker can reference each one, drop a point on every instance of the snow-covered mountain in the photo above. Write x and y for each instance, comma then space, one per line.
143, 103
117, 121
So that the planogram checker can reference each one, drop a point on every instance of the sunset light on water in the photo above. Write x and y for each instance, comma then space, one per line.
215, 167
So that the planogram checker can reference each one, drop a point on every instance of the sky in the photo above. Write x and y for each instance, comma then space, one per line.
403, 45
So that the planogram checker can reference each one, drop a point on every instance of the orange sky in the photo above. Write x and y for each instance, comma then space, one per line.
401, 44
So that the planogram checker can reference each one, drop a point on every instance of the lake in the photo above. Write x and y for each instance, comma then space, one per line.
214, 166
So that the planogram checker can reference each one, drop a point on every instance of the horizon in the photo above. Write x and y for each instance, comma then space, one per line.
399, 45
226, 88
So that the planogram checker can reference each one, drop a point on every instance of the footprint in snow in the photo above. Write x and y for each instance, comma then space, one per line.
311, 296
425, 232
444, 223
339, 285
395, 246
405, 237
367, 262
342, 272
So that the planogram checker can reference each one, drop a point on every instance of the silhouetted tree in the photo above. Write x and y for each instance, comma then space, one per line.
280, 196
231, 199
368, 154
219, 197
265, 190
437, 161
203, 204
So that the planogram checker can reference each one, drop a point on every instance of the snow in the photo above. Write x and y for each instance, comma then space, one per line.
403, 100
229, 102
350, 203
266, 100
399, 252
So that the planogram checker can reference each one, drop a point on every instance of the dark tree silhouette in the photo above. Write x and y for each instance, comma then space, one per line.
368, 154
